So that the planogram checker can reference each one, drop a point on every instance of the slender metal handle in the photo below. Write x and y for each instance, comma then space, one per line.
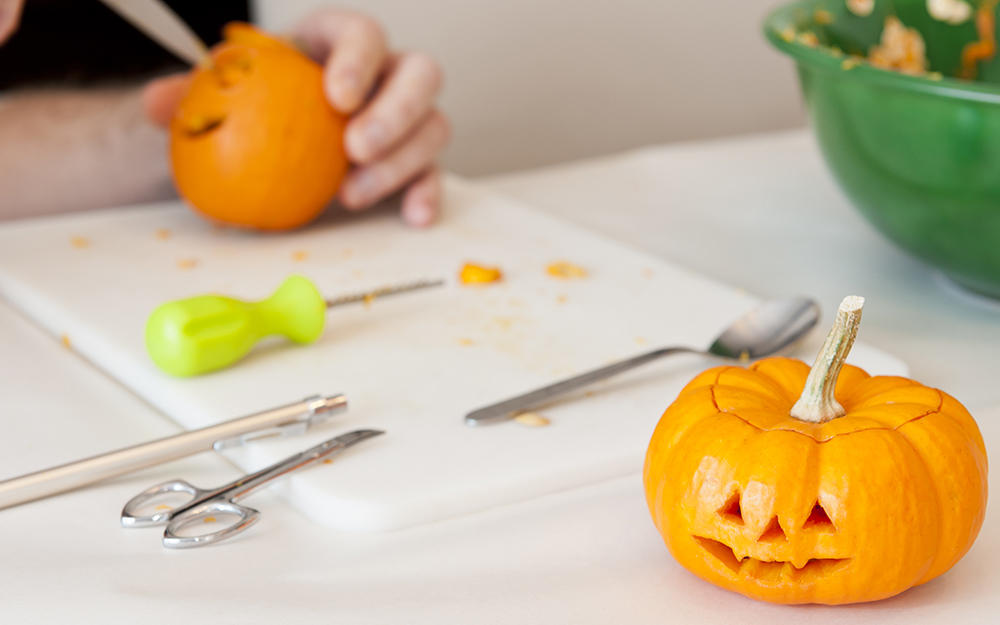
507, 409
292, 418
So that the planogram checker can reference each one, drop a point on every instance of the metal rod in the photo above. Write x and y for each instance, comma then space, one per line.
293, 418
368, 296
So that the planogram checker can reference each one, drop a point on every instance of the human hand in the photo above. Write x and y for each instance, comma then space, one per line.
395, 133
10, 16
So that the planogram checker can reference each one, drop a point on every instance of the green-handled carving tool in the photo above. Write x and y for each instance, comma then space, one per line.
209, 332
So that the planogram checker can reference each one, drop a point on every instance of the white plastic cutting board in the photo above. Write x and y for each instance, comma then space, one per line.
413, 364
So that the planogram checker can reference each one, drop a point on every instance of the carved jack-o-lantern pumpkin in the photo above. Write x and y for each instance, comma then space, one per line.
254, 142
862, 488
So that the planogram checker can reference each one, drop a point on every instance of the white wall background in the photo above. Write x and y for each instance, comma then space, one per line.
533, 82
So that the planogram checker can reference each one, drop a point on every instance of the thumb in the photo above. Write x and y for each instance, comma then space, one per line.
161, 96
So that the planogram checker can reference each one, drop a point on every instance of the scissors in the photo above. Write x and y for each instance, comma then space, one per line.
206, 504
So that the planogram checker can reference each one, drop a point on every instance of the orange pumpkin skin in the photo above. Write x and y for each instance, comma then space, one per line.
860, 508
254, 142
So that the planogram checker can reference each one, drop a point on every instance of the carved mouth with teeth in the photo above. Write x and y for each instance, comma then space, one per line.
767, 569
766, 565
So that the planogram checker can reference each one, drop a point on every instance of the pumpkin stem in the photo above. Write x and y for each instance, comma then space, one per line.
817, 403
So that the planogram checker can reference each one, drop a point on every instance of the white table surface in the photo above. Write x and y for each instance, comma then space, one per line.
760, 213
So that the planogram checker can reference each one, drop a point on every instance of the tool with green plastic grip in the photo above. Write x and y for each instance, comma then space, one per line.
210, 332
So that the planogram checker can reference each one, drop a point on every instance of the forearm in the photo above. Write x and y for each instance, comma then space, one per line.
64, 151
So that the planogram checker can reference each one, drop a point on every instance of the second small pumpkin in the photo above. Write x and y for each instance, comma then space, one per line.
255, 143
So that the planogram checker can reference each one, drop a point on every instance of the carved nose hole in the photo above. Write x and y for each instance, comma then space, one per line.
731, 510
773, 532
819, 519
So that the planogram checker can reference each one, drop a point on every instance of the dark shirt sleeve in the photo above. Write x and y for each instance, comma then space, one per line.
82, 42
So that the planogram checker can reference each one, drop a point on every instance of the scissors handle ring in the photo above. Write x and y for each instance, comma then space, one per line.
205, 513
130, 519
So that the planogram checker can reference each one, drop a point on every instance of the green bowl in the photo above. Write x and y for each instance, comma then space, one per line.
918, 155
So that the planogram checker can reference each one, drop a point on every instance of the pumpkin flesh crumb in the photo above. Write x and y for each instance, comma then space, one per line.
478, 274
532, 420
565, 270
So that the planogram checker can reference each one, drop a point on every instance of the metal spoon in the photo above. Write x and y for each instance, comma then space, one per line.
772, 327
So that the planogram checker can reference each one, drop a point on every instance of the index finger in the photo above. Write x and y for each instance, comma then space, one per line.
353, 49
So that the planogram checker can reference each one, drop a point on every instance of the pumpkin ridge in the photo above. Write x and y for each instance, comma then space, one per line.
974, 434
856, 395
938, 507
748, 395
764, 385
877, 400
944, 558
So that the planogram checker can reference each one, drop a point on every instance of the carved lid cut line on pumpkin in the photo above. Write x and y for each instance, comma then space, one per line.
821, 433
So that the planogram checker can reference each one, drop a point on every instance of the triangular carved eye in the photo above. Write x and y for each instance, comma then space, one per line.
773, 532
731, 510
819, 519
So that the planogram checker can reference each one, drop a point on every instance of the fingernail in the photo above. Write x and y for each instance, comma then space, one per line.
375, 135
345, 91
350, 81
419, 214
362, 189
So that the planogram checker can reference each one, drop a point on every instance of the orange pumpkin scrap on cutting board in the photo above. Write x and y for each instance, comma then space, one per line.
254, 142
478, 274
827, 485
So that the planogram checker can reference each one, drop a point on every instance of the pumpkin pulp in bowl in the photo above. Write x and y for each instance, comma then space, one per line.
918, 154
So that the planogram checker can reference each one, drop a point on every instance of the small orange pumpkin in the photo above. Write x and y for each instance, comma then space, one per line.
862, 488
255, 142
